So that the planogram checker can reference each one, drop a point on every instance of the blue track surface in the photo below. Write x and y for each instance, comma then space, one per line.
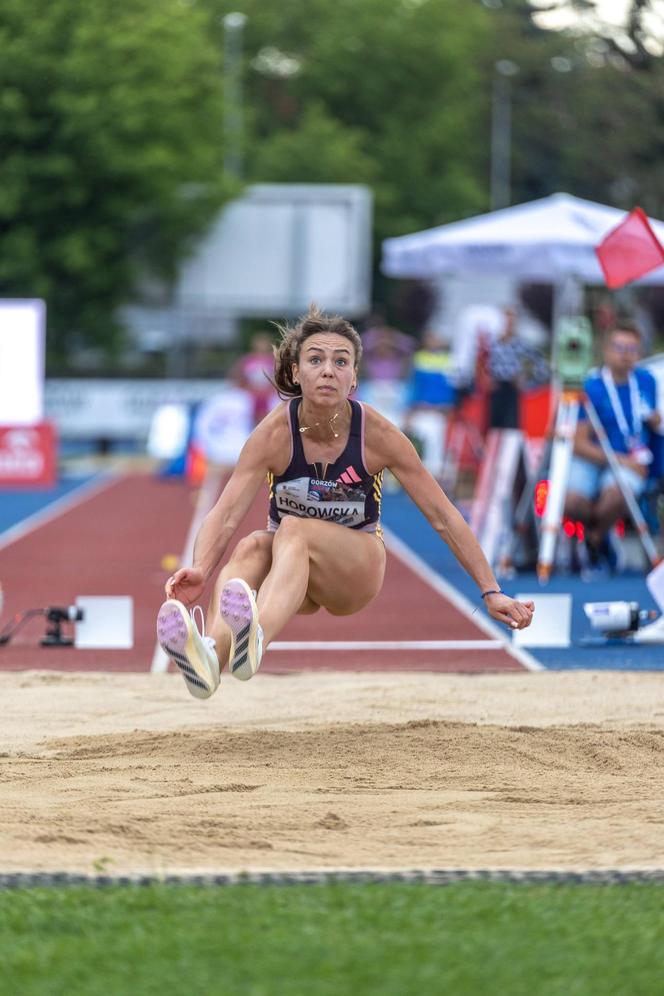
18, 504
404, 519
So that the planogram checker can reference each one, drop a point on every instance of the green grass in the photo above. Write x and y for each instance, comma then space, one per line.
334, 939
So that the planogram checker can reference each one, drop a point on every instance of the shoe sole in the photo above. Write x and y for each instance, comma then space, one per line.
176, 638
238, 610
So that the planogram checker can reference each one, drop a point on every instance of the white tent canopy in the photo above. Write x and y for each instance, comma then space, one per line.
544, 240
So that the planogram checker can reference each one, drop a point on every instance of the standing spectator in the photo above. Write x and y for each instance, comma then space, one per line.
431, 396
512, 365
254, 371
430, 385
603, 317
223, 423
387, 355
477, 325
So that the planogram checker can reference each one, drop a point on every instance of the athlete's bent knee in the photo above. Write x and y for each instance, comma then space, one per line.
290, 526
256, 544
308, 607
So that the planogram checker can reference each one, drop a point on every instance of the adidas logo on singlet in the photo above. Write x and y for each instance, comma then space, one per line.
349, 476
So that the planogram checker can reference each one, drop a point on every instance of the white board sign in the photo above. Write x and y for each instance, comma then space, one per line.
280, 247
552, 621
22, 331
107, 623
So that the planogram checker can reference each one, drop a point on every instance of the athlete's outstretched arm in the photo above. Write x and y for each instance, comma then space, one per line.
222, 521
387, 443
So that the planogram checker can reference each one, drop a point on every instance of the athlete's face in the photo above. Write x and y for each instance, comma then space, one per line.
326, 370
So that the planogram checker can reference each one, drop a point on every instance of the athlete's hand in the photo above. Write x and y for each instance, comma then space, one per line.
516, 615
187, 585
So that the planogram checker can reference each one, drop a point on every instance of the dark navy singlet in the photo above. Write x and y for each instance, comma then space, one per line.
343, 492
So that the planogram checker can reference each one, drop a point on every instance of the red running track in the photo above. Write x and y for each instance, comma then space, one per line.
112, 542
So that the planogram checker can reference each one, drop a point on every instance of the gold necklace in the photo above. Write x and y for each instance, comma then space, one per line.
330, 422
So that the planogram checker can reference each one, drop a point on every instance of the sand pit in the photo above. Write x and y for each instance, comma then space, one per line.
128, 774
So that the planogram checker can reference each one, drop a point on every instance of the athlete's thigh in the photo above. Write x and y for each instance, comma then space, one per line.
250, 560
346, 566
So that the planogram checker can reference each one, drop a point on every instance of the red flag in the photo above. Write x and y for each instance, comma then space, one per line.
629, 251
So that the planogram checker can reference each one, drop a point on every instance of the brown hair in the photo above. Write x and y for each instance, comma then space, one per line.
292, 338
628, 325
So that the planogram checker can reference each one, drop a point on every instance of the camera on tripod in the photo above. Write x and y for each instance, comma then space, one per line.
55, 616
573, 351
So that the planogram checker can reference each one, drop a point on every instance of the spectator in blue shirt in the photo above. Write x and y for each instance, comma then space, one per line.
430, 384
625, 399
431, 395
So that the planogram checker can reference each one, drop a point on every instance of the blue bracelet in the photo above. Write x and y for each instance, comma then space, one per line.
492, 591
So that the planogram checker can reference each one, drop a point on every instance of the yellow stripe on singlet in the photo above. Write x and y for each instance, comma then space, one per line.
378, 486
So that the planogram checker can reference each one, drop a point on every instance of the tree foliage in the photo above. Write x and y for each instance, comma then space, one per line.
111, 112
110, 152
386, 92
397, 93
588, 108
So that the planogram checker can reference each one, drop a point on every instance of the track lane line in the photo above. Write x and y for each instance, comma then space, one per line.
388, 645
459, 601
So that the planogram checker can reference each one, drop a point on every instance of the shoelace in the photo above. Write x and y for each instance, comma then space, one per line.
200, 627
259, 630
209, 640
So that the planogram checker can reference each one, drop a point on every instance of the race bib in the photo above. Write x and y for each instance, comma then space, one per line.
314, 499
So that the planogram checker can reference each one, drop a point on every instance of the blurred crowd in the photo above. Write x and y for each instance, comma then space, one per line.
478, 376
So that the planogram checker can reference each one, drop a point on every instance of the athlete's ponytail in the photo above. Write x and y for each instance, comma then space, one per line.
292, 337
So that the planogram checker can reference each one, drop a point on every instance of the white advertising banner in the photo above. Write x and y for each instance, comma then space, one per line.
118, 409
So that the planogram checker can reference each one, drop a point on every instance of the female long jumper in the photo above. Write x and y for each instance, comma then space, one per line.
323, 455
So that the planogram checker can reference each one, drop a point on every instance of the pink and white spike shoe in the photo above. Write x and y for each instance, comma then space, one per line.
239, 612
193, 652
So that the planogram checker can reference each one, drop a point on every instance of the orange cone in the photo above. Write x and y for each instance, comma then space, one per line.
196, 466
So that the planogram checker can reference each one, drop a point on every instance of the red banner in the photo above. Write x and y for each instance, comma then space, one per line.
28, 454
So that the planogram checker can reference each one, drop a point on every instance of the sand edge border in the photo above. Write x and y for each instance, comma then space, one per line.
438, 876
